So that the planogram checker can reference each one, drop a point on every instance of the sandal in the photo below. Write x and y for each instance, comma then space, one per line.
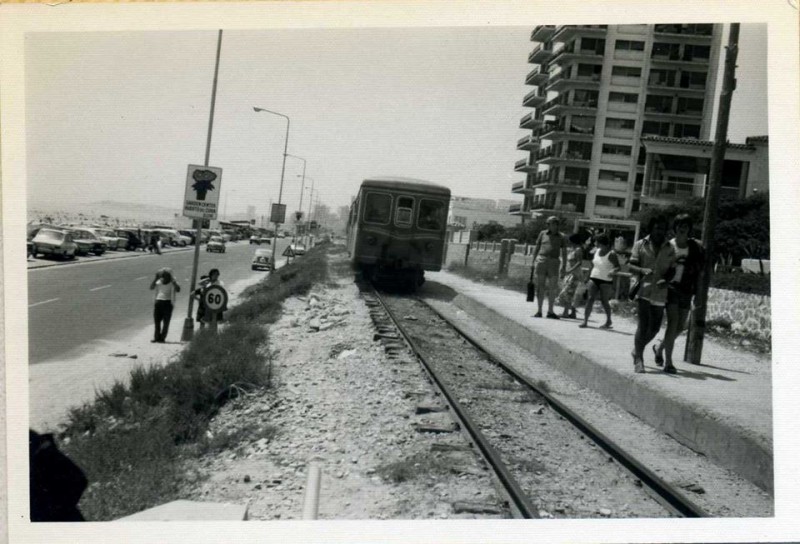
659, 357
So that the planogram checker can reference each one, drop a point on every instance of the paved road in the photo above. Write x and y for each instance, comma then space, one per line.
72, 305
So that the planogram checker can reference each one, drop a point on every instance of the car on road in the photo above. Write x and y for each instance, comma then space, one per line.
255, 239
54, 242
298, 248
262, 260
88, 242
227, 237
216, 244
190, 234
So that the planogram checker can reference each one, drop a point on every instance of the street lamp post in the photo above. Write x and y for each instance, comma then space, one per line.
302, 186
283, 170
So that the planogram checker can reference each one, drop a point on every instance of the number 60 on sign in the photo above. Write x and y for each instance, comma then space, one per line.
215, 297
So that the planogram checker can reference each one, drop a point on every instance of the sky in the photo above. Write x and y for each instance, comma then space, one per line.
119, 115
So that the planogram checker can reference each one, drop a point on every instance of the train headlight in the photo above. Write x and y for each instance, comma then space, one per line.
371, 240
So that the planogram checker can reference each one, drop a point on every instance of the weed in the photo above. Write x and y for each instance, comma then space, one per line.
408, 469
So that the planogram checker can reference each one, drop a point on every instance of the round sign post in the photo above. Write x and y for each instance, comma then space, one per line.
215, 298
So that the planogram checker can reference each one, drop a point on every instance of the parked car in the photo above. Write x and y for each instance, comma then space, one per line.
57, 243
298, 248
227, 237
173, 237
216, 244
111, 238
190, 234
262, 260
132, 242
88, 242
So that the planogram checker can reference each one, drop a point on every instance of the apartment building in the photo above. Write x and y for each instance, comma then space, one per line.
598, 90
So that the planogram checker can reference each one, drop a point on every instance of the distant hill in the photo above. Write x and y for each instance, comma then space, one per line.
106, 211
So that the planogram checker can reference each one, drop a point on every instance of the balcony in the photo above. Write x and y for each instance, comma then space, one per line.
542, 33
565, 33
569, 54
519, 188
560, 105
524, 166
559, 132
531, 121
528, 143
674, 58
534, 99
549, 156
700, 32
537, 76
540, 54
662, 85
562, 81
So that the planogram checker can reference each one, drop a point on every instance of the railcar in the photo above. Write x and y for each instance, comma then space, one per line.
396, 229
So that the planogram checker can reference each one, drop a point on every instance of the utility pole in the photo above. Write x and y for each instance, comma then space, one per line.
698, 325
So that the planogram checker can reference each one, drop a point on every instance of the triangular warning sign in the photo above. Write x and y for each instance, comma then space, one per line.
288, 252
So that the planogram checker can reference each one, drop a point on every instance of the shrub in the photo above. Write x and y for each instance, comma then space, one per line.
744, 283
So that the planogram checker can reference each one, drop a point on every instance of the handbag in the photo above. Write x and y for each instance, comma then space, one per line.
531, 288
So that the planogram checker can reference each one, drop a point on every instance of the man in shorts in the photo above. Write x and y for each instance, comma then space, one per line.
551, 246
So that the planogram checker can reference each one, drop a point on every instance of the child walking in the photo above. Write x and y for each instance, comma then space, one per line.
604, 265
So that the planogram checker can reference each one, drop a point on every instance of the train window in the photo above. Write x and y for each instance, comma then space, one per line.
405, 207
377, 208
431, 214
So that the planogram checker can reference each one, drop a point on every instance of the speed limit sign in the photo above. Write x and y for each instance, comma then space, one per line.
215, 297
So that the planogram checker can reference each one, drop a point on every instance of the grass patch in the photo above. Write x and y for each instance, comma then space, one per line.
408, 469
133, 439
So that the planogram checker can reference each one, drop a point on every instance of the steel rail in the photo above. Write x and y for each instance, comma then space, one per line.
520, 502
667, 495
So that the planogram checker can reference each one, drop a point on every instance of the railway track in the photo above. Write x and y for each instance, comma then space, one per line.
548, 461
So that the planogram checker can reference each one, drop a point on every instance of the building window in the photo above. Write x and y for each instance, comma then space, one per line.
609, 201
635, 205
664, 78
696, 52
637, 185
581, 124
690, 106
693, 80
628, 98
666, 51
626, 71
655, 128
613, 149
590, 71
595, 45
576, 199
628, 45
687, 131
579, 150
584, 98
613, 175
576, 176
658, 104
620, 124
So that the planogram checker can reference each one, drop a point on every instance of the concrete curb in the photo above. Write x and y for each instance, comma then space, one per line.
696, 427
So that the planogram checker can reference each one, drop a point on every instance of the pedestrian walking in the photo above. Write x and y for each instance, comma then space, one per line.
651, 259
605, 265
205, 282
570, 294
551, 248
166, 289
683, 284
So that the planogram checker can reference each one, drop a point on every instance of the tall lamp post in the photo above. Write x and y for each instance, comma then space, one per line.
283, 170
302, 186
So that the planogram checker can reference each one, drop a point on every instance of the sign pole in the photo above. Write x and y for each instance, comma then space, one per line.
188, 323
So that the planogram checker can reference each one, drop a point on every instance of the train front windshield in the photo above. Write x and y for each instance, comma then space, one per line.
431, 214
377, 208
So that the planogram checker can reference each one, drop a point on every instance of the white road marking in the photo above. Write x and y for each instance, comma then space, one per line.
139, 278
43, 302
101, 287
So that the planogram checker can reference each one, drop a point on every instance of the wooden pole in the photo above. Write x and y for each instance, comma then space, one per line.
697, 331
